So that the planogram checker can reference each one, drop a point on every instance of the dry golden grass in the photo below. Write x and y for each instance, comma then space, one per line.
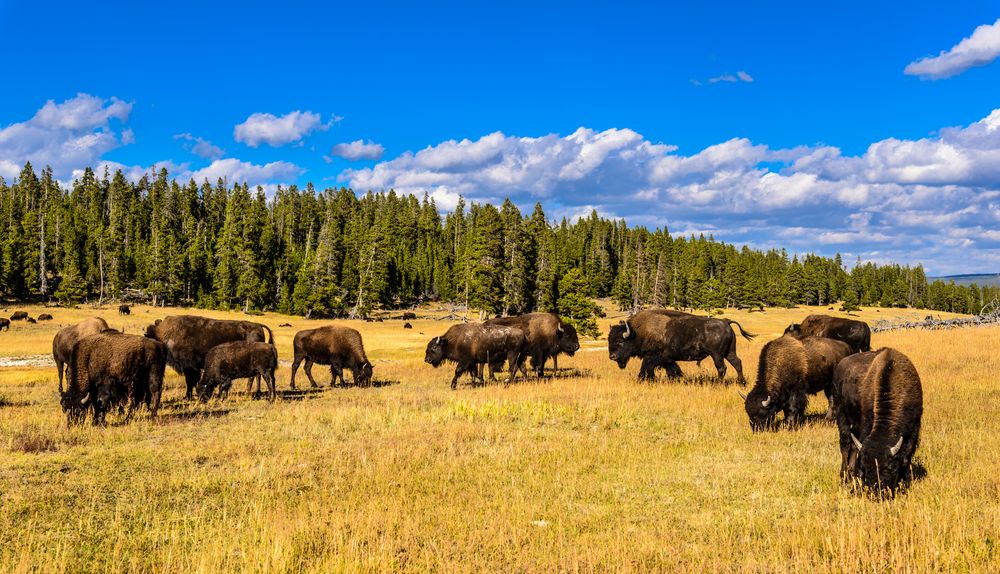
582, 473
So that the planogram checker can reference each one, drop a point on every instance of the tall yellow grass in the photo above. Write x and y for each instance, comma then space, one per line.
591, 472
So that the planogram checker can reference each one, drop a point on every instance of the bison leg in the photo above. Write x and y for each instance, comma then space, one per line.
738, 365
720, 367
795, 409
309, 371
831, 408
459, 369
847, 456
673, 370
59, 367
647, 370
191, 377
295, 367
268, 375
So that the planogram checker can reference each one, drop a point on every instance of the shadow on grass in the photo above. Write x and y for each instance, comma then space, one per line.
694, 380
8, 403
179, 417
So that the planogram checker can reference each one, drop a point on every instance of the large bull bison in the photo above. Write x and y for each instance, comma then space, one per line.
857, 334
789, 370
238, 360
339, 347
19, 316
661, 340
66, 339
879, 407
4, 324
112, 368
473, 345
190, 337
547, 337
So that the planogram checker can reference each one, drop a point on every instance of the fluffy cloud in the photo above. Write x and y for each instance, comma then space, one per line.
900, 199
358, 149
236, 171
201, 147
65, 136
279, 130
740, 76
979, 49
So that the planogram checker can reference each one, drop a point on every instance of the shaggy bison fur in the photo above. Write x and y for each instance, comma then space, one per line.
857, 334
472, 345
238, 360
339, 347
66, 339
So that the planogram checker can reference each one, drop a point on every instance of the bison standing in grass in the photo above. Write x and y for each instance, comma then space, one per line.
879, 407
238, 360
473, 345
339, 347
124, 310
546, 336
45, 317
112, 368
789, 370
66, 339
19, 316
190, 337
5, 324
857, 334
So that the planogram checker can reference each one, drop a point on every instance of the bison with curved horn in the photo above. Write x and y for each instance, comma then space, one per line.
473, 345
546, 337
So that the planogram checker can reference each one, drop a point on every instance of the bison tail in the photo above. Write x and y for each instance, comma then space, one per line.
746, 334
270, 335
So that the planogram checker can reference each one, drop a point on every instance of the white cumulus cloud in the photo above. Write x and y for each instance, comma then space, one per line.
237, 171
358, 149
200, 146
279, 130
979, 49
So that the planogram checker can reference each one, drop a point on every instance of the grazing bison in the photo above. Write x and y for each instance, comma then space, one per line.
45, 317
662, 339
4, 324
546, 335
190, 337
857, 334
112, 368
789, 370
238, 360
66, 339
19, 316
339, 347
472, 345
409, 316
124, 310
879, 407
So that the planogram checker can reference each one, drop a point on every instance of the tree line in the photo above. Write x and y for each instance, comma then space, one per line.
336, 253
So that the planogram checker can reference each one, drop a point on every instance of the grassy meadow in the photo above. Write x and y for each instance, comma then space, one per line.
588, 471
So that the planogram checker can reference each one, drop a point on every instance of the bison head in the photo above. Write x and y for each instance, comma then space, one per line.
435, 351
761, 408
206, 388
569, 342
794, 330
878, 464
622, 344
365, 378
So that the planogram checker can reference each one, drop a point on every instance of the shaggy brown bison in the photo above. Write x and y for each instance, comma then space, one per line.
45, 317
879, 407
238, 360
19, 316
857, 334
190, 337
4, 324
31, 320
112, 368
789, 370
472, 345
409, 316
407, 326
66, 339
547, 336
661, 339
339, 347
124, 310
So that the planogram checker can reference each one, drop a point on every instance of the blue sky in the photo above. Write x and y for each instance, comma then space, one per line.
774, 124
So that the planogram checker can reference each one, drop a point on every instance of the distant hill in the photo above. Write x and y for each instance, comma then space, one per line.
979, 279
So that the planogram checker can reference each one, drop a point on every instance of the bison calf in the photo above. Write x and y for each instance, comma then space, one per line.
339, 347
879, 408
238, 360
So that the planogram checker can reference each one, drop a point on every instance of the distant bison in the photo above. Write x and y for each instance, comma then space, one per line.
339, 347
124, 310
285, 325
857, 334
190, 337
45, 317
4, 324
409, 316
547, 337
473, 345
789, 370
407, 326
112, 368
67, 338
238, 360
19, 316
661, 339
31, 320
879, 408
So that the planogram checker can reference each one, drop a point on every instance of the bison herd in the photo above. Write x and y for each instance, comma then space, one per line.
874, 396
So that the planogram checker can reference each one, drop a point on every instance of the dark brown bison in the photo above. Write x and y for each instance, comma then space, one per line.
409, 316
19, 316
662, 339
112, 368
45, 317
31, 320
124, 310
547, 337
190, 337
238, 360
473, 345
66, 339
407, 326
789, 370
339, 347
4, 324
857, 334
879, 407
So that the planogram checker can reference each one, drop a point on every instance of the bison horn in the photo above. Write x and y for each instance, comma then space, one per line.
895, 448
856, 442
764, 403
437, 340
628, 331
84, 401
560, 329
742, 396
